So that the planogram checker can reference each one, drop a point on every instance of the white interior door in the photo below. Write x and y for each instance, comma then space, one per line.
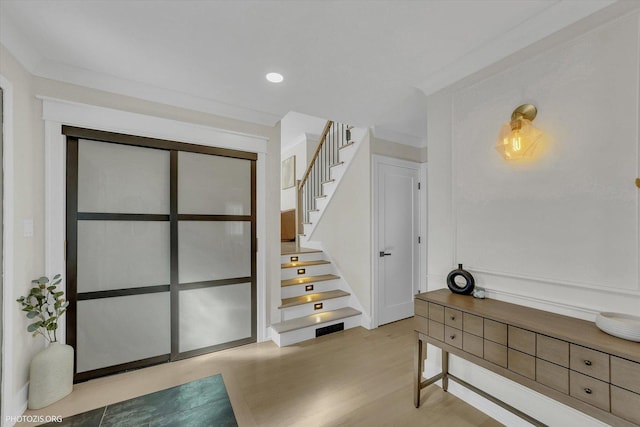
397, 222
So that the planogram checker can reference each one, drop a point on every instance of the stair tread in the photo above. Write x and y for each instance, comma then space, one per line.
328, 181
348, 144
336, 164
310, 298
299, 264
308, 279
298, 250
314, 319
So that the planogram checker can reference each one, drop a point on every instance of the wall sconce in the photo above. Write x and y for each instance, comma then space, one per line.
518, 138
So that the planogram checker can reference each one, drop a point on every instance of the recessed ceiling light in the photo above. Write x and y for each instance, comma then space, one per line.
274, 77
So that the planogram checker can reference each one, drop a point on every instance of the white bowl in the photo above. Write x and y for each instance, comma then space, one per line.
620, 325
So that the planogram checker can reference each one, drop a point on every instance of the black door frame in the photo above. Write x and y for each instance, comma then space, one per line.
73, 135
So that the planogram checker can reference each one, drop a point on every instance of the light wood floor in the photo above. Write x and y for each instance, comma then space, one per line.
351, 378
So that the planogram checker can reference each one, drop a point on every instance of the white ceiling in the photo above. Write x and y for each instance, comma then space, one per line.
366, 62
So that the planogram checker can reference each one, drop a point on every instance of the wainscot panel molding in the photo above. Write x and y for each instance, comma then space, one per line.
571, 217
561, 234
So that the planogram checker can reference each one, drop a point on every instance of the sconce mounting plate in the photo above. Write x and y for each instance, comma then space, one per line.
525, 111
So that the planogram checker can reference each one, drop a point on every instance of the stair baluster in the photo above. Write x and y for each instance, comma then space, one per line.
334, 136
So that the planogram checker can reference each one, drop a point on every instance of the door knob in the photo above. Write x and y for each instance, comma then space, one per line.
383, 254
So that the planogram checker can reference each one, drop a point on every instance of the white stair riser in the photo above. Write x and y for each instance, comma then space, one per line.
328, 188
347, 153
306, 229
304, 334
298, 290
314, 270
310, 256
307, 309
337, 172
313, 217
321, 203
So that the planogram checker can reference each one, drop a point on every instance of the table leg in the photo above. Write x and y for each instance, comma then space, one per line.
418, 369
445, 370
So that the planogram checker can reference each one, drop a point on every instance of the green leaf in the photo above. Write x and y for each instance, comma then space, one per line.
32, 314
43, 280
33, 327
58, 294
52, 326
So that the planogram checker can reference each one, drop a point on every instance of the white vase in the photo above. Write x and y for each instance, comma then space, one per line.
51, 375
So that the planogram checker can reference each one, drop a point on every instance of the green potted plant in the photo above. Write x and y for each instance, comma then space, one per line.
51, 370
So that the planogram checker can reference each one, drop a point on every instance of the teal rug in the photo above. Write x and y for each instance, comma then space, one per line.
200, 403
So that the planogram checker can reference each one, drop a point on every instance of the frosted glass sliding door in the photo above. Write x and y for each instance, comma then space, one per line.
160, 250
216, 255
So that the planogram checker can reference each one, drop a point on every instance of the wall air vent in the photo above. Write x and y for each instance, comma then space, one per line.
330, 329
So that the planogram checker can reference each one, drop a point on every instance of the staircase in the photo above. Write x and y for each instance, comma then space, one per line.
315, 300
337, 147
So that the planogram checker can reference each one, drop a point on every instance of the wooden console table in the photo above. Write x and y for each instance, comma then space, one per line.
567, 359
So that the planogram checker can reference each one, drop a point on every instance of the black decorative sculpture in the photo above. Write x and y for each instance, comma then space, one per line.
464, 288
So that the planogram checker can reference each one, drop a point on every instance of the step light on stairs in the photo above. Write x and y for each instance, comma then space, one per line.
308, 279
312, 298
302, 264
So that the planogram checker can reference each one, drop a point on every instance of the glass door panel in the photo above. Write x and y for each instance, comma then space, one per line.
114, 331
213, 185
122, 254
214, 250
214, 315
116, 178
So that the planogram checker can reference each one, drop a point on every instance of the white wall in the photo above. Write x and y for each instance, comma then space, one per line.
27, 252
345, 227
302, 155
561, 233
29, 190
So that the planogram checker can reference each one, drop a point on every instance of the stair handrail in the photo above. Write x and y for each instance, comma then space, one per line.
301, 183
323, 138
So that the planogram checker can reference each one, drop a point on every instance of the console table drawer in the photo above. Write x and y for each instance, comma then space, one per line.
522, 363
625, 404
495, 331
453, 336
472, 344
591, 362
522, 340
495, 353
436, 312
552, 350
436, 330
625, 374
421, 324
472, 324
589, 390
453, 318
421, 308
552, 375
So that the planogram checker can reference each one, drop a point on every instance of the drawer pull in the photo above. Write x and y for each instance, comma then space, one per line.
588, 390
587, 362
453, 337
453, 317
